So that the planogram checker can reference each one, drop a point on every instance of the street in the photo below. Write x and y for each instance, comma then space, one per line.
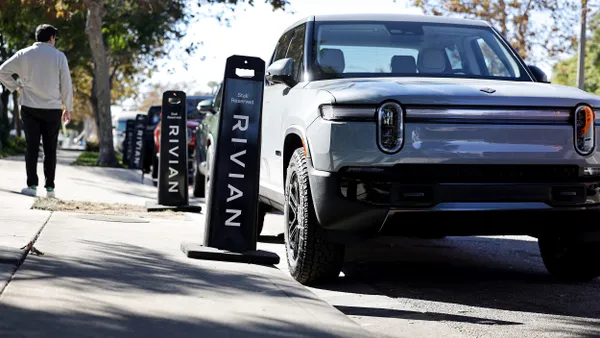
456, 287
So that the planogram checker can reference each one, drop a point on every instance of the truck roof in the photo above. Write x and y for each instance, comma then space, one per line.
391, 17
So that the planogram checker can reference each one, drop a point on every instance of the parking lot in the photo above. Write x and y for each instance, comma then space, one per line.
454, 287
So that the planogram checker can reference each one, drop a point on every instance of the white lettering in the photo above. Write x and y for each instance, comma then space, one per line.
238, 125
236, 213
239, 140
173, 172
172, 151
236, 175
234, 193
174, 130
234, 158
173, 186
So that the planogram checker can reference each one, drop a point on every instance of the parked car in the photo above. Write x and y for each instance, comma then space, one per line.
428, 126
193, 119
205, 137
119, 127
151, 161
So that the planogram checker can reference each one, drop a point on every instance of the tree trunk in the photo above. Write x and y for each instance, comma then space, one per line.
4, 124
17, 113
94, 102
95, 8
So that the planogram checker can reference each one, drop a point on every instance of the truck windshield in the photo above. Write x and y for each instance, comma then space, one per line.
379, 49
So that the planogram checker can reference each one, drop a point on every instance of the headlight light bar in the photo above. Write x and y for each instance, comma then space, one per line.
584, 130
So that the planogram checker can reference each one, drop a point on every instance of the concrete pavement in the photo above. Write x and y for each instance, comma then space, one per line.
90, 184
107, 278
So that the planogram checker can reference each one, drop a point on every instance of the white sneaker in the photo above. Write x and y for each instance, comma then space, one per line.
30, 191
50, 193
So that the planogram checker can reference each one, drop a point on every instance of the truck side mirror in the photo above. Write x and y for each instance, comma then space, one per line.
539, 74
282, 71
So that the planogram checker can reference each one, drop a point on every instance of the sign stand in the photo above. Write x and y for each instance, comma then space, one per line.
232, 219
141, 121
138, 140
173, 187
128, 143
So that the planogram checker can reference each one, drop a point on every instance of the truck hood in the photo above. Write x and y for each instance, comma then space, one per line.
453, 92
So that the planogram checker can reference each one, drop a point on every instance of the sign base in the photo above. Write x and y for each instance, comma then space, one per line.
258, 257
155, 207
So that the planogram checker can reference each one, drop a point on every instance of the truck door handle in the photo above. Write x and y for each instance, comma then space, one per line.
277, 152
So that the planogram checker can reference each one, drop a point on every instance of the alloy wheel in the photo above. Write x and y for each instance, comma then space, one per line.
294, 220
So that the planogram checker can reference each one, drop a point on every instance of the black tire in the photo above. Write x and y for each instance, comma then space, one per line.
155, 170
199, 182
570, 260
311, 257
207, 177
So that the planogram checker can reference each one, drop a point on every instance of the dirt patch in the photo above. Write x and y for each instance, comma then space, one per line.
118, 209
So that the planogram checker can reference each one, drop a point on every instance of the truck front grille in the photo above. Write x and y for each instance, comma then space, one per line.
461, 173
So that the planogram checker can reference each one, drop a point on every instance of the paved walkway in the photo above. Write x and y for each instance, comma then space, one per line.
107, 277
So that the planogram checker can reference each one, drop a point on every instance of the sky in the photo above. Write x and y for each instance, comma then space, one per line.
252, 31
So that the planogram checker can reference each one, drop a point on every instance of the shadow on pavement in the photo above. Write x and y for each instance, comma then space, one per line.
422, 316
271, 239
120, 270
11, 191
495, 273
114, 322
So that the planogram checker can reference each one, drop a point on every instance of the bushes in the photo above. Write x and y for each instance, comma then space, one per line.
15, 146
90, 159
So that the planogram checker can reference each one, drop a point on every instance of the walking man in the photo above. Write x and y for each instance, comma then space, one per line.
45, 85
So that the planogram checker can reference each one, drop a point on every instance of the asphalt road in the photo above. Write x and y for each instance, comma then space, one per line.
455, 287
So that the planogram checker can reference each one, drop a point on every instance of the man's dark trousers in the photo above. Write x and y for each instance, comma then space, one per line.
44, 124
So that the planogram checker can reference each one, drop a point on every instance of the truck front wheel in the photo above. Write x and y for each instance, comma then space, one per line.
311, 257
569, 259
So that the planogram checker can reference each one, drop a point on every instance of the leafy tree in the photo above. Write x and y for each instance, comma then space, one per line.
514, 19
565, 72
16, 32
115, 41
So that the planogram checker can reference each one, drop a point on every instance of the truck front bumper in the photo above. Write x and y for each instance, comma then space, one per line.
454, 200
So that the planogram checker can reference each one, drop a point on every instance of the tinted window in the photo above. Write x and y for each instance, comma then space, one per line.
217, 101
154, 115
282, 46
296, 51
454, 58
493, 61
121, 125
379, 48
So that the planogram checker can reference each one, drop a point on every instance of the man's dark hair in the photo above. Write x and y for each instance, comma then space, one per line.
43, 33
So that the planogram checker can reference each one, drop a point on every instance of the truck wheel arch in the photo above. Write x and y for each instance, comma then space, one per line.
293, 140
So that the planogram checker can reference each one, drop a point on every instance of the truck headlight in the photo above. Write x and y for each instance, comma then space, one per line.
584, 133
390, 127
347, 113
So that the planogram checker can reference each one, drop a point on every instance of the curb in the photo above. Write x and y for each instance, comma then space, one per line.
19, 259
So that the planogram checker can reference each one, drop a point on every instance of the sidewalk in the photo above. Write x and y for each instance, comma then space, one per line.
127, 277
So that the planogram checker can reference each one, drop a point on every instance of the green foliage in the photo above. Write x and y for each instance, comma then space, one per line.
90, 159
15, 146
565, 72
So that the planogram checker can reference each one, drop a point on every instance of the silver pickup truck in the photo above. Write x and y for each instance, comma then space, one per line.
424, 126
